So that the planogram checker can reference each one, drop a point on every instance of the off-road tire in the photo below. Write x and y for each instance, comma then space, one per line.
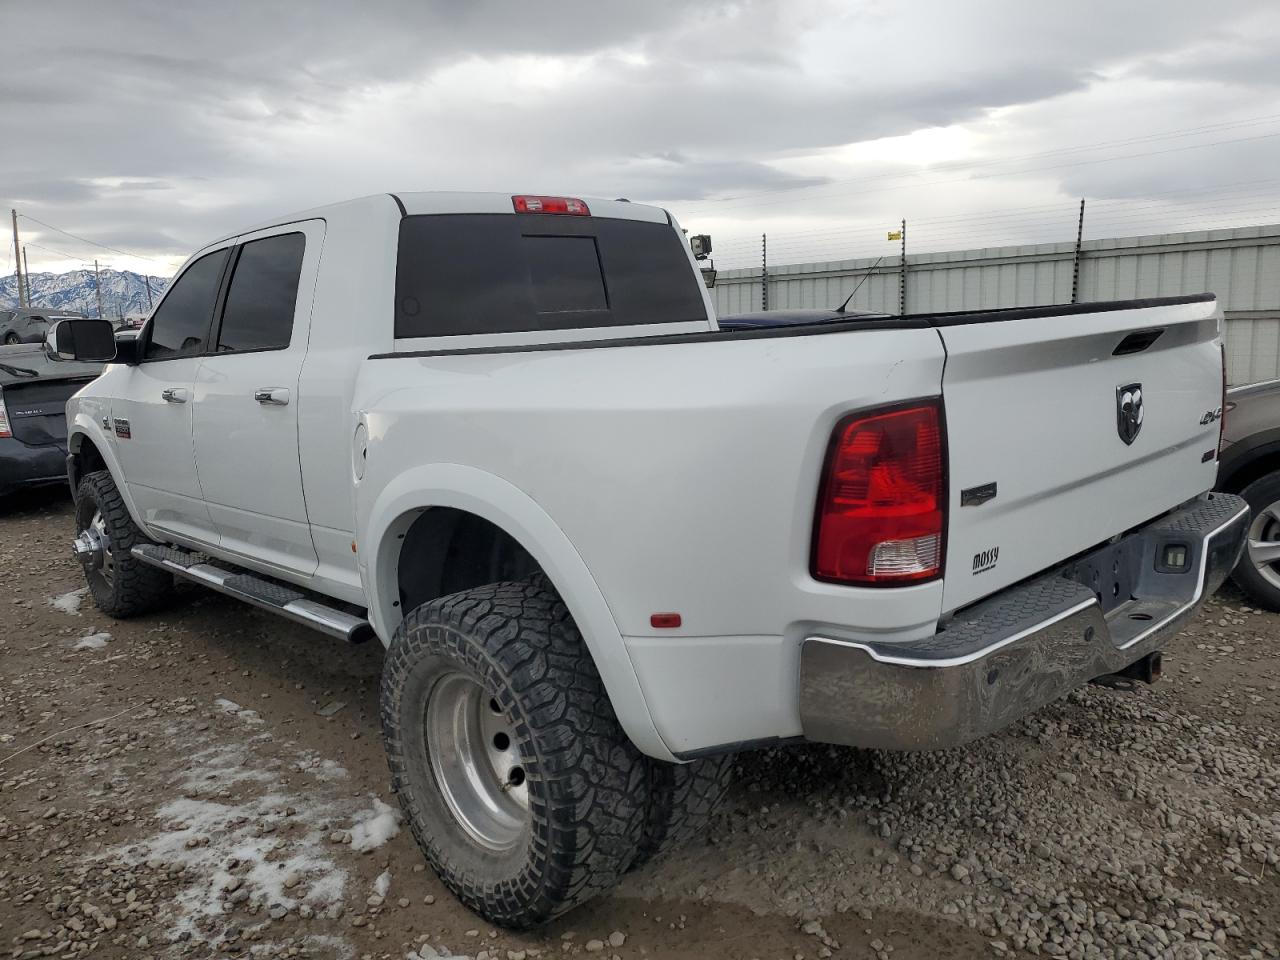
683, 799
1260, 494
587, 783
135, 588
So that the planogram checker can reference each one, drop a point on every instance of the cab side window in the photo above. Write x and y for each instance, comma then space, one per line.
262, 296
180, 324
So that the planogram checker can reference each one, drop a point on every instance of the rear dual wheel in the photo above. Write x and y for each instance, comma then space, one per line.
513, 772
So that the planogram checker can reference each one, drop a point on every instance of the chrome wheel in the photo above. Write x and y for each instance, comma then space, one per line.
1264, 543
476, 762
93, 547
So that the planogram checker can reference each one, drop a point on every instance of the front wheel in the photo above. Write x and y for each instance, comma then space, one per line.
11, 338
121, 585
513, 772
1258, 572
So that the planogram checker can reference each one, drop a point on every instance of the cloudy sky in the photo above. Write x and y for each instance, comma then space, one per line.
151, 127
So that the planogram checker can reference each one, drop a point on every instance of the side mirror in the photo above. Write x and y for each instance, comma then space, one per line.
78, 338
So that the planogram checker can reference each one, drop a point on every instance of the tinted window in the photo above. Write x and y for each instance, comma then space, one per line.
565, 274
500, 273
181, 322
264, 289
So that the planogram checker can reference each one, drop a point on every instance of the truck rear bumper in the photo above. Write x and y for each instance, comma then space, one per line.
1026, 646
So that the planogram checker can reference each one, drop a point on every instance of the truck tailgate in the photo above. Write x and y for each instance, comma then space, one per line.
1044, 462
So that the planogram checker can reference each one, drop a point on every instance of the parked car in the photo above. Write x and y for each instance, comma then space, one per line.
33, 423
608, 543
1250, 467
23, 325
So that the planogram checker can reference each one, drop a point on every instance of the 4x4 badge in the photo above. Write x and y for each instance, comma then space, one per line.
1129, 411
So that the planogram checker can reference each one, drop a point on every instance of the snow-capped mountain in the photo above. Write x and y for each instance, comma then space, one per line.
124, 293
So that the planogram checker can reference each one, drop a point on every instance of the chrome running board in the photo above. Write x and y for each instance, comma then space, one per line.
266, 594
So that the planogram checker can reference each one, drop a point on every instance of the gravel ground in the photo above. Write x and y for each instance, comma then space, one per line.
209, 781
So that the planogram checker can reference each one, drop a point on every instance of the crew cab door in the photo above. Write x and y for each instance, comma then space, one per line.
246, 399
151, 419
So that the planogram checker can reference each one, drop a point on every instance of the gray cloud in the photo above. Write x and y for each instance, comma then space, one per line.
218, 119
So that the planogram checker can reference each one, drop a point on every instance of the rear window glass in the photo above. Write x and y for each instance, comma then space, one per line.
505, 273
263, 294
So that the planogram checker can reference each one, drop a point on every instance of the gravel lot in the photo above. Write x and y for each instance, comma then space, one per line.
209, 781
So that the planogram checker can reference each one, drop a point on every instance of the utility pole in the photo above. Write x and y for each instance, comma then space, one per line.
17, 262
147, 281
764, 271
26, 272
1075, 260
902, 279
97, 286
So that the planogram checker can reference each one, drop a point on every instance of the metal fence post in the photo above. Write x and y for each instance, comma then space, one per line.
1075, 260
902, 275
764, 271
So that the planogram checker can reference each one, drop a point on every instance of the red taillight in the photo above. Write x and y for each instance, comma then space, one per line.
569, 205
5, 432
882, 505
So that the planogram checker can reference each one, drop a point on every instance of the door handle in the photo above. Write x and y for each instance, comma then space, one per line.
174, 395
275, 396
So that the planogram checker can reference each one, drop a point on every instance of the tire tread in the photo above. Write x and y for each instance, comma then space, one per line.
588, 820
137, 588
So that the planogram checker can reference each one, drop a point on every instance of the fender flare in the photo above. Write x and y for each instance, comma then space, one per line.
1240, 456
382, 524
83, 427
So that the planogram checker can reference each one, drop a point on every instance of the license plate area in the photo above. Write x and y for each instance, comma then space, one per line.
1112, 572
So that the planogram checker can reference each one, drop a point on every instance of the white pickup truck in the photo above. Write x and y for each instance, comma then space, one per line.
609, 543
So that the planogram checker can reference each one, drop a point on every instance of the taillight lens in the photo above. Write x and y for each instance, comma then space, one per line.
882, 505
568, 205
4, 419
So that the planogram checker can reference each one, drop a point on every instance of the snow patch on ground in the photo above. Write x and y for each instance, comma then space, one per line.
222, 767
94, 641
69, 603
375, 827
382, 884
230, 706
264, 852
322, 768
427, 952
206, 837
314, 945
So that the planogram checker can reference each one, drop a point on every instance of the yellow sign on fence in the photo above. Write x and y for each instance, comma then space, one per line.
895, 234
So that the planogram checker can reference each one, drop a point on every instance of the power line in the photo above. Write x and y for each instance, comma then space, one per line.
1154, 207
123, 253
972, 164
986, 176
61, 253
820, 250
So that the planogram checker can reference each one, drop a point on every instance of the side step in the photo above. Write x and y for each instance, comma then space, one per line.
262, 592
